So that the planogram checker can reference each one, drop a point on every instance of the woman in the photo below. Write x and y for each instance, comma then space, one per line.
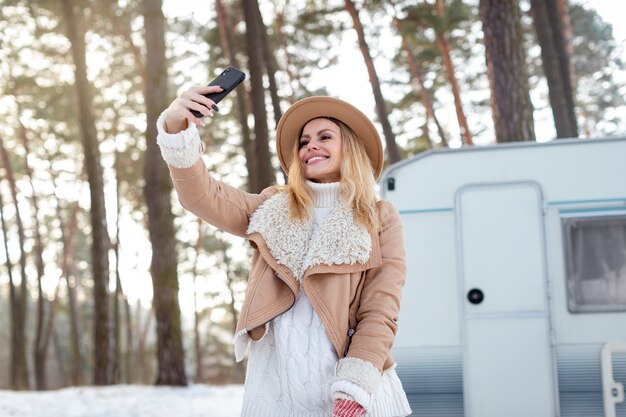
328, 265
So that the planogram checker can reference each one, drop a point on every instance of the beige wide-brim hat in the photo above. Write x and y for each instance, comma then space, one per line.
293, 120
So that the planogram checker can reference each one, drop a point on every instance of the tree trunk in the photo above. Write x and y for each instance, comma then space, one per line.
68, 243
265, 171
117, 331
506, 67
556, 65
226, 40
142, 343
77, 374
393, 154
18, 298
40, 348
129, 365
121, 21
157, 192
416, 73
270, 66
444, 49
566, 24
238, 367
196, 316
68, 233
12, 296
58, 353
100, 243
283, 45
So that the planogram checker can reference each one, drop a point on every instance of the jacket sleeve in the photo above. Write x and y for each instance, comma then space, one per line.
219, 204
377, 315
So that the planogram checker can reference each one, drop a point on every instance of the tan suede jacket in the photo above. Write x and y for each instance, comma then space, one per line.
358, 303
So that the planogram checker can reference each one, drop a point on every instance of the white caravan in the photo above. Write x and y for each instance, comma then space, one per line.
515, 302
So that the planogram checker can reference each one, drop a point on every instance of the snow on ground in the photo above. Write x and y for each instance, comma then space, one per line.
125, 401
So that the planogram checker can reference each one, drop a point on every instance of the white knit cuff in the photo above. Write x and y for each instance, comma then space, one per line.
180, 150
342, 389
241, 343
359, 372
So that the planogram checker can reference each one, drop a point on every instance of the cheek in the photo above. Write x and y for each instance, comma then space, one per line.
338, 152
301, 154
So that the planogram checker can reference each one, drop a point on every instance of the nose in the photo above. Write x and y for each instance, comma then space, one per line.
311, 145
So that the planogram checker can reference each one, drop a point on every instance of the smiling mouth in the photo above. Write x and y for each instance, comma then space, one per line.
316, 158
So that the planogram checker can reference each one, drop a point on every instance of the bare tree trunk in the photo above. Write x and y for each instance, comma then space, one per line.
101, 243
444, 49
117, 332
78, 377
265, 171
239, 369
506, 67
129, 364
393, 154
226, 40
270, 66
283, 45
143, 342
157, 192
68, 244
424, 94
18, 298
556, 65
416, 73
427, 132
196, 316
566, 24
39, 348
58, 353
121, 22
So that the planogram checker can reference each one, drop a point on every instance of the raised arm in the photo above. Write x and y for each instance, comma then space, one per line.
221, 205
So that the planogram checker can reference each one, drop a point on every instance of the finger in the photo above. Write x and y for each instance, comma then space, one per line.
210, 89
198, 98
194, 105
193, 119
203, 100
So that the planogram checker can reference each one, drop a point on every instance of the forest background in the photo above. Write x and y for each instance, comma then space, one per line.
104, 278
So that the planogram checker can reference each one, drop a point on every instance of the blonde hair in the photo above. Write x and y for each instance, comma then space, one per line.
357, 183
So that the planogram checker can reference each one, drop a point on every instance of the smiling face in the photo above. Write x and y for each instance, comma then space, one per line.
320, 151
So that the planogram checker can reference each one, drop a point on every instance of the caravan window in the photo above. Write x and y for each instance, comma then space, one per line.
596, 263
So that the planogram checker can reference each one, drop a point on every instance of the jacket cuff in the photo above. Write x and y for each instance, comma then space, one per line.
346, 390
359, 372
180, 150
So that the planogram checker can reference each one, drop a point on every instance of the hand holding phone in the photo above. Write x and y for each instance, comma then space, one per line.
230, 78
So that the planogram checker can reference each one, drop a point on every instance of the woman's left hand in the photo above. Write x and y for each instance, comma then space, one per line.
347, 408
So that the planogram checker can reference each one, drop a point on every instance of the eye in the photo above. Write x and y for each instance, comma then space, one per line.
326, 136
303, 143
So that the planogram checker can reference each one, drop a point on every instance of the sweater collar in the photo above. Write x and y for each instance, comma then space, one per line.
325, 195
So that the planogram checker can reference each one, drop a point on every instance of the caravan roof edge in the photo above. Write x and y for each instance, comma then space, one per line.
491, 147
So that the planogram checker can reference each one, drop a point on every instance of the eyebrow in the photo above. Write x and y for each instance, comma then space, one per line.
319, 132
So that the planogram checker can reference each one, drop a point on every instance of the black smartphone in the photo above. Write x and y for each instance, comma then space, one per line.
230, 78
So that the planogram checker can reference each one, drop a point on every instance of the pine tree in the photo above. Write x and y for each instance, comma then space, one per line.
506, 66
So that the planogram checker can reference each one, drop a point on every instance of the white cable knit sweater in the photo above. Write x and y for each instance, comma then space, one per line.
291, 369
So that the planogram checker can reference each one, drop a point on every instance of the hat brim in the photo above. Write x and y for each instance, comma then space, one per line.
301, 112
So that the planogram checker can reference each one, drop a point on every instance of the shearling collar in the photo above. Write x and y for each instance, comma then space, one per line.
340, 239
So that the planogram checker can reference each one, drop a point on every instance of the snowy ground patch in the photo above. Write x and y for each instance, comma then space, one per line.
125, 401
